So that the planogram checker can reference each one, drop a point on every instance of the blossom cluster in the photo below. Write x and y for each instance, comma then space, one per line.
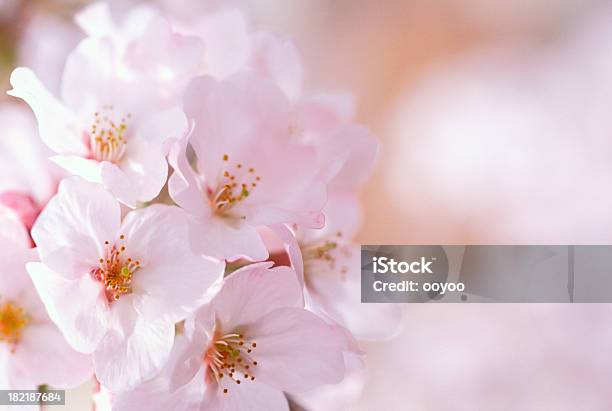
180, 222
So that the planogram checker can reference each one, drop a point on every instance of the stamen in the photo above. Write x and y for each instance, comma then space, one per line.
228, 356
234, 187
320, 257
114, 271
108, 139
13, 319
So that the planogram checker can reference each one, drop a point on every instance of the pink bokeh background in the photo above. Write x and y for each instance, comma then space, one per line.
495, 120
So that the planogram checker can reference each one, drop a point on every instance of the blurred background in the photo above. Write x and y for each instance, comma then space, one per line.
495, 121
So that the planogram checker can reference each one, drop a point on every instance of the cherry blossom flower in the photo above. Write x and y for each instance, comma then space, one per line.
233, 46
149, 44
119, 107
116, 288
249, 345
33, 351
249, 173
328, 263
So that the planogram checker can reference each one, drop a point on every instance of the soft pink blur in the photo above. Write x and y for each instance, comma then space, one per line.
494, 118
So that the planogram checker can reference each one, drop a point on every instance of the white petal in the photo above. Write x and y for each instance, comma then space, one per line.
173, 279
140, 176
183, 184
79, 166
229, 239
96, 20
77, 306
255, 290
133, 350
44, 357
297, 351
71, 230
58, 126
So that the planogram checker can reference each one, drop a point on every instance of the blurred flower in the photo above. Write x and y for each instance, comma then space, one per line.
44, 46
116, 288
232, 46
151, 52
33, 351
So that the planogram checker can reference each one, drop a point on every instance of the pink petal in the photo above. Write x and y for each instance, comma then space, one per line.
251, 396
173, 279
23, 206
141, 174
77, 306
280, 61
228, 239
15, 283
83, 167
165, 57
44, 357
58, 126
96, 20
163, 126
183, 185
363, 151
253, 291
87, 85
228, 42
338, 397
318, 116
292, 248
155, 395
12, 228
25, 168
70, 232
214, 107
134, 349
342, 218
297, 351
289, 189
186, 360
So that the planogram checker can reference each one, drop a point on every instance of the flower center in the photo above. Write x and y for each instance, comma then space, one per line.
12, 321
230, 358
320, 257
115, 270
236, 184
108, 138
